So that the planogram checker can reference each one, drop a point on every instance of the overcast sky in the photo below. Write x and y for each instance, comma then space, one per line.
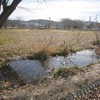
57, 9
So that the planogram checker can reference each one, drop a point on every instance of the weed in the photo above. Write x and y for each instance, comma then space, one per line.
65, 72
97, 39
97, 51
41, 55
88, 65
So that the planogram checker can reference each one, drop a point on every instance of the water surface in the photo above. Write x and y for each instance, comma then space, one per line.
32, 70
81, 59
28, 70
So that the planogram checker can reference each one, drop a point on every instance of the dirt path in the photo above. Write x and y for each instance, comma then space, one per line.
51, 89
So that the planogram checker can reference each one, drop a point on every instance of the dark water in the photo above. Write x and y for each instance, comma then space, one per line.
32, 70
28, 70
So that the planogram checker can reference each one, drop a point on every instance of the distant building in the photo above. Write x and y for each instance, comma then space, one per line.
91, 25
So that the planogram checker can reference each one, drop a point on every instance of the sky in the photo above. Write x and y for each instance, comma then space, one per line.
58, 9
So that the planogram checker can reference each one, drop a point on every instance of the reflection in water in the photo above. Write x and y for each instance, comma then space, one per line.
32, 70
28, 70
81, 58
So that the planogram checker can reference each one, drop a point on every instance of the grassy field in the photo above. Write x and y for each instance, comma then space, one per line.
24, 42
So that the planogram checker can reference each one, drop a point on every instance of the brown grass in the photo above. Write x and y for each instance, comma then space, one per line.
97, 51
27, 42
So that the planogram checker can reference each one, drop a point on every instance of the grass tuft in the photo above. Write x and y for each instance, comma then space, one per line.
66, 71
41, 55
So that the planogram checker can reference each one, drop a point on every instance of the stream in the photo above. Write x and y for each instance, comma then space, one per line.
34, 70
80, 58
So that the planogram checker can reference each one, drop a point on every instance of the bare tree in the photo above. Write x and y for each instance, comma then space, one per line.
67, 23
48, 24
18, 19
77, 24
13, 23
71, 24
7, 9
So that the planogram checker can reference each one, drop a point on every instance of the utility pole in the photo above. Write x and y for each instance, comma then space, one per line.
90, 19
49, 24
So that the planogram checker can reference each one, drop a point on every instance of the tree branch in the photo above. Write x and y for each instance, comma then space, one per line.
7, 11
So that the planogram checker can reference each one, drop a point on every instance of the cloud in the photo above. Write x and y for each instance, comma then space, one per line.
57, 9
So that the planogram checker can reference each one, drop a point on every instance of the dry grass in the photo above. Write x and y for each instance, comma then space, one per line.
65, 72
27, 42
97, 51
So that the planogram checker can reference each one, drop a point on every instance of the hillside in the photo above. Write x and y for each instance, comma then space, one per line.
42, 22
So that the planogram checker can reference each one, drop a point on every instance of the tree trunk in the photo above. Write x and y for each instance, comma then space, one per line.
8, 11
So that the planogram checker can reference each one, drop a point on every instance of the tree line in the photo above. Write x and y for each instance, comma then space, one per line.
72, 24
8, 7
65, 23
